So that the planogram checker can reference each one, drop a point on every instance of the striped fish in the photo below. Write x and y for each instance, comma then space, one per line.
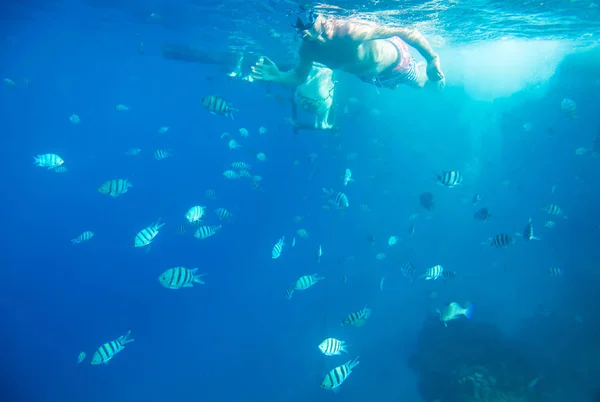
450, 178
553, 210
110, 349
230, 174
337, 199
115, 187
241, 165
303, 233
181, 229
85, 236
195, 214
528, 232
147, 235
358, 318
553, 271
60, 169
81, 357
180, 277
501, 240
49, 161
278, 248
338, 375
204, 232
211, 194
160, 154
307, 281
217, 105
332, 347
407, 270
449, 274
433, 272
223, 214
289, 292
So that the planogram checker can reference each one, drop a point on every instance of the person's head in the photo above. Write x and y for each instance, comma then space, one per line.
311, 29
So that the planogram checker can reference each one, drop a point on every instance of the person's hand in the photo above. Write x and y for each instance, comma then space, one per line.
265, 70
434, 71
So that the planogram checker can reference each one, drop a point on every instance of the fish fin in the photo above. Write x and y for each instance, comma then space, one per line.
336, 390
188, 285
469, 311
536, 238
198, 279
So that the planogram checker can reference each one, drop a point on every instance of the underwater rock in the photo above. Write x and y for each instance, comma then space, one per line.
473, 362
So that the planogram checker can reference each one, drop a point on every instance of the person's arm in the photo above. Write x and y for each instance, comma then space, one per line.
360, 32
298, 75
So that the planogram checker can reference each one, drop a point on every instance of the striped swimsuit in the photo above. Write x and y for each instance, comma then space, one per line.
404, 72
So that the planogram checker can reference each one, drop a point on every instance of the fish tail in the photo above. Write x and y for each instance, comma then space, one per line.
469, 311
124, 340
198, 279
36, 160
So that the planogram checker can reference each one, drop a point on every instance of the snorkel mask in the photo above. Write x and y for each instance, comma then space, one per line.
306, 25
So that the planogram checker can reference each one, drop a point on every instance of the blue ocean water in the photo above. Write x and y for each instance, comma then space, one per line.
237, 337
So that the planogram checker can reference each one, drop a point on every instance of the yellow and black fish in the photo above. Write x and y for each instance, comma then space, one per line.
217, 105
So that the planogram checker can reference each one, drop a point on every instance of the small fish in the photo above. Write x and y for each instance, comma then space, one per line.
449, 274
289, 292
319, 253
223, 214
217, 105
211, 194
230, 174
49, 161
233, 144
554, 210
433, 273
393, 240
407, 270
347, 177
122, 108
85, 236
553, 271
262, 130
454, 311
569, 108
307, 281
180, 277
380, 256
9, 82
115, 188
81, 357
501, 240
133, 151
204, 232
411, 230
303, 233
527, 232
243, 132
482, 215
74, 119
337, 199
549, 224
450, 178
358, 318
60, 169
110, 349
278, 248
241, 165
338, 375
195, 213
476, 199
381, 283
160, 154
261, 157
181, 229
332, 347
147, 235
163, 129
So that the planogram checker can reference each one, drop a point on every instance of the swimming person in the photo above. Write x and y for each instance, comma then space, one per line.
374, 53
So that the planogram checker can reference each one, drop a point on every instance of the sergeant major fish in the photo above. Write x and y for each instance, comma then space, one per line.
204, 232
332, 347
528, 232
337, 199
49, 161
348, 177
180, 277
85, 236
358, 318
110, 349
278, 248
217, 105
433, 272
450, 178
115, 188
338, 375
195, 214
147, 235
307, 281
501, 240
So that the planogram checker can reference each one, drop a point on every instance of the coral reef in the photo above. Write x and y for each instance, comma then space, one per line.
474, 362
